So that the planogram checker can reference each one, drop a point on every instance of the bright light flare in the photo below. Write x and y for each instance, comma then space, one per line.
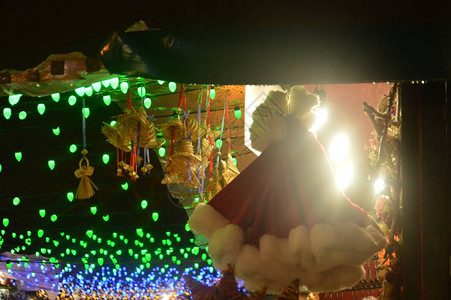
339, 148
379, 185
321, 115
344, 176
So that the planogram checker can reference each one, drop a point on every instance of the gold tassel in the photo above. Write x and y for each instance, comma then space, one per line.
86, 187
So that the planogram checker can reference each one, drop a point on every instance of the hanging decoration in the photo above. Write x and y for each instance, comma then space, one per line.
384, 150
283, 217
86, 187
132, 131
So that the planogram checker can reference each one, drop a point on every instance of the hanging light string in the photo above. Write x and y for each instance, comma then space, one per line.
199, 142
210, 173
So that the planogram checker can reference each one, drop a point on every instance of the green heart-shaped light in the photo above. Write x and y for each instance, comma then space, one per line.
89, 233
51, 164
5, 222
106, 218
56, 97
70, 196
86, 112
42, 213
18, 156
89, 91
124, 186
93, 209
124, 87
96, 86
56, 131
41, 108
80, 91
114, 82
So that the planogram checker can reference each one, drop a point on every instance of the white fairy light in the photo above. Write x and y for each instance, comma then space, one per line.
339, 147
379, 185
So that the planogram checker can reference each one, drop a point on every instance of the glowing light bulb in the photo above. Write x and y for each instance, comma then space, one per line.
379, 185
18, 156
5, 222
147, 103
114, 82
212, 93
96, 86
106, 218
53, 218
40, 233
42, 212
56, 131
56, 97
105, 158
14, 99
7, 113
160, 82
112, 123
235, 161
155, 216
124, 87
172, 86
141, 91
89, 91
51, 164
16, 201
41, 108
144, 204
339, 147
124, 186
80, 91
22, 115
70, 196
86, 112
218, 143
73, 148
93, 209
107, 100
237, 112
161, 152
72, 100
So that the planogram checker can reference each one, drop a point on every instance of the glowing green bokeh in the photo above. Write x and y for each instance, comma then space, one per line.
5, 222
124, 186
16, 201
114, 82
72, 100
147, 103
56, 131
23, 115
93, 209
106, 83
80, 91
155, 216
18, 156
14, 99
141, 91
42, 212
107, 100
40, 233
112, 123
144, 204
73, 148
106, 218
161, 152
105, 158
86, 111
187, 228
160, 82
140, 232
70, 196
41, 108
1, 168
89, 233
56, 97
219, 143
7, 113
53, 218
96, 86
51, 164
124, 87
172, 86
237, 112
212, 93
